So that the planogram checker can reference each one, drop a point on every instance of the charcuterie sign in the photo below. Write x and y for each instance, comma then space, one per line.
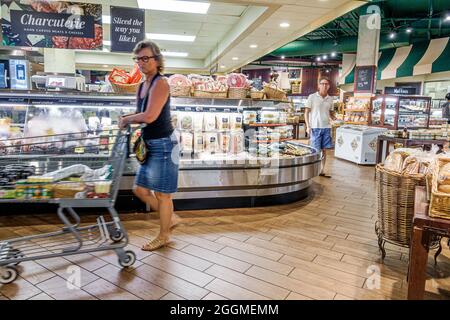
52, 24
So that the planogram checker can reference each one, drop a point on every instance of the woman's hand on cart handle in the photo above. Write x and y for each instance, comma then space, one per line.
123, 123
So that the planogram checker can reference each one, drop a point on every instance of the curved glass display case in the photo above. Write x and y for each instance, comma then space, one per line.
233, 152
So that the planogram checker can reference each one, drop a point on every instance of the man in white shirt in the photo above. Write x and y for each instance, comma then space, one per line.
318, 112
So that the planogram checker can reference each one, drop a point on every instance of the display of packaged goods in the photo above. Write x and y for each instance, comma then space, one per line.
270, 117
295, 150
223, 121
237, 142
249, 117
209, 121
102, 187
211, 142
187, 139
197, 118
224, 142
7, 193
174, 119
199, 143
235, 121
185, 121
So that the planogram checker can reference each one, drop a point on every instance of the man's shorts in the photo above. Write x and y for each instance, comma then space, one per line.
321, 138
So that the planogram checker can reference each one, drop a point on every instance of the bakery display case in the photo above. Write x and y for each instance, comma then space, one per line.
436, 119
397, 112
230, 149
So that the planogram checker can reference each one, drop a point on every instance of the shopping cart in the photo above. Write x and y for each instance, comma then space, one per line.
42, 170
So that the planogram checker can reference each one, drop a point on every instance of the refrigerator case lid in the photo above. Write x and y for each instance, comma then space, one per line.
360, 129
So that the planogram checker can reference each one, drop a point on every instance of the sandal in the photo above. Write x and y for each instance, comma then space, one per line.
325, 175
155, 244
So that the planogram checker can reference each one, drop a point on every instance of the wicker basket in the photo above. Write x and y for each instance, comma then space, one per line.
440, 201
210, 94
396, 193
125, 88
257, 94
237, 93
274, 93
180, 91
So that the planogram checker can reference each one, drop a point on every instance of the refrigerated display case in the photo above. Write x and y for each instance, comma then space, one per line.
436, 119
234, 152
397, 112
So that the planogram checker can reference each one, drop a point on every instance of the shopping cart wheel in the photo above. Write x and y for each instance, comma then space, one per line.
129, 260
117, 235
8, 274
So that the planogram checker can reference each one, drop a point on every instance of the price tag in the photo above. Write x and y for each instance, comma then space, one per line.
212, 109
227, 110
187, 108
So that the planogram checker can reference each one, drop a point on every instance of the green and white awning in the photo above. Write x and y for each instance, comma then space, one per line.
417, 59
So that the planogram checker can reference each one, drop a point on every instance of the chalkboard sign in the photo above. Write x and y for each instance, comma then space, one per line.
364, 79
409, 91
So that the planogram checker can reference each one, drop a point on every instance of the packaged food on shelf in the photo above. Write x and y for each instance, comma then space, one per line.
224, 141
295, 150
235, 121
209, 121
250, 117
237, 142
187, 140
197, 118
174, 119
185, 120
7, 193
223, 121
211, 142
270, 117
237, 80
199, 145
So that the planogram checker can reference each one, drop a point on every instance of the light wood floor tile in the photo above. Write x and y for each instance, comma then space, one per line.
213, 296
57, 288
243, 246
41, 296
184, 258
172, 296
296, 296
19, 290
217, 258
130, 282
289, 283
169, 282
232, 291
282, 248
104, 290
261, 287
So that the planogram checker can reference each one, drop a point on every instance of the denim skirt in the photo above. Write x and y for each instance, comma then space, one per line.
160, 172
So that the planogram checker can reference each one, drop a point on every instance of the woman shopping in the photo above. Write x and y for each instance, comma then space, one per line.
157, 177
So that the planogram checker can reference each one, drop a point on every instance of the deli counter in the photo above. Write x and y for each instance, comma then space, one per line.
233, 152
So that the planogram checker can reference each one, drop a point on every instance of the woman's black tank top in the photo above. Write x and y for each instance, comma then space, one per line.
161, 127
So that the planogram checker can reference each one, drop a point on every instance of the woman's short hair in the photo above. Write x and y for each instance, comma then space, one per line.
155, 49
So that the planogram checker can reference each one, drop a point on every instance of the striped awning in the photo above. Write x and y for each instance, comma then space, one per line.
419, 58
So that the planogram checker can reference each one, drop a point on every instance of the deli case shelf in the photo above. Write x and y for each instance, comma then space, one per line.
224, 162
398, 112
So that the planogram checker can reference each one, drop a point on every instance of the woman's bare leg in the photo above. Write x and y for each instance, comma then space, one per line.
146, 196
165, 214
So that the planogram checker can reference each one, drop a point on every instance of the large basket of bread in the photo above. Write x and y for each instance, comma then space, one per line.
180, 85
238, 86
403, 170
207, 87
124, 82
440, 189
272, 91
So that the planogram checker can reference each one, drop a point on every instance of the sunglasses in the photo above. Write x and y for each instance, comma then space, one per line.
144, 59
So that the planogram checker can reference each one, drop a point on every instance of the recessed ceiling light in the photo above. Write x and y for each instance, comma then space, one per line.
174, 54
408, 30
106, 19
174, 5
392, 35
235, 58
222, 67
284, 25
282, 57
324, 57
333, 54
447, 18
253, 46
106, 42
318, 58
170, 37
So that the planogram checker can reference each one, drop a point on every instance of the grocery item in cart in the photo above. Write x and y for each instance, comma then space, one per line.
68, 190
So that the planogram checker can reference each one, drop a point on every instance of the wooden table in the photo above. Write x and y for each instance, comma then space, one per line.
404, 142
423, 228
